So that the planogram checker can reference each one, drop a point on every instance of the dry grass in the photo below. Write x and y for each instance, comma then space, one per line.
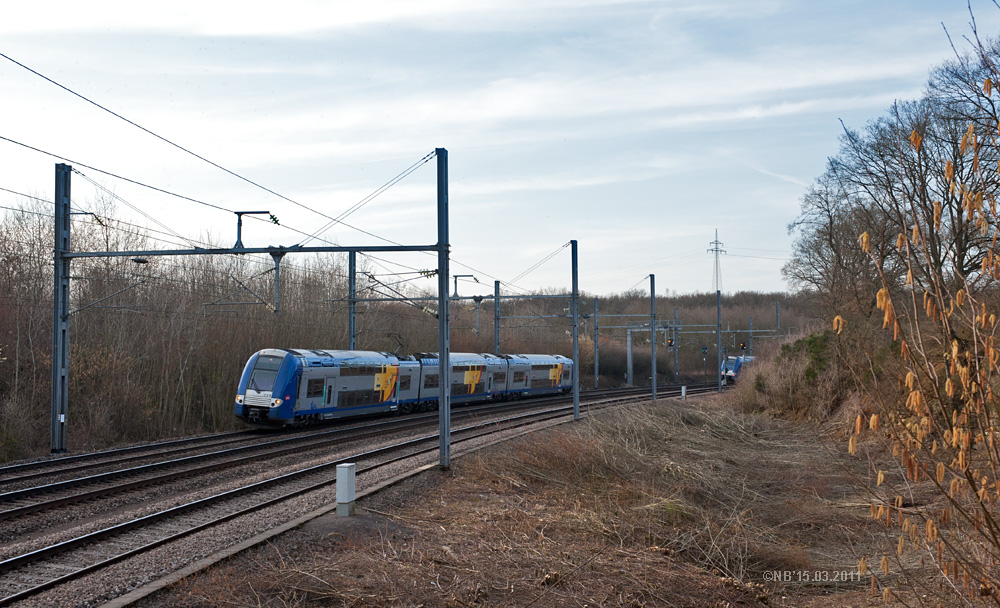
667, 505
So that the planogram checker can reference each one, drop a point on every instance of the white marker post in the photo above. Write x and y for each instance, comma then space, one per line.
345, 489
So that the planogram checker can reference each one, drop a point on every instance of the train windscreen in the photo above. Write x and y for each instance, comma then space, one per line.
264, 372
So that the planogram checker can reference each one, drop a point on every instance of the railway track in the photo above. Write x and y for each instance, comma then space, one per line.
62, 472
249, 503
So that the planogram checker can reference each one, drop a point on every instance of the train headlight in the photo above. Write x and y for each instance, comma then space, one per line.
239, 399
276, 402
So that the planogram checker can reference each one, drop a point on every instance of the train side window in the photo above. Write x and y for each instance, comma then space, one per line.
314, 388
404, 383
431, 381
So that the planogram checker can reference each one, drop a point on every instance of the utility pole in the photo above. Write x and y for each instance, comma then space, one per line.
718, 335
652, 327
597, 357
628, 357
461, 276
717, 249
704, 361
444, 337
677, 371
575, 303
496, 318
478, 300
60, 311
717, 284
352, 300
60, 298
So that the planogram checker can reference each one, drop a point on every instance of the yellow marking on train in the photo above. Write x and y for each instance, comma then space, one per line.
386, 381
471, 379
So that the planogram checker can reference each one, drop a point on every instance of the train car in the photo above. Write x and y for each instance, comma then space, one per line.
549, 374
281, 387
495, 371
519, 373
290, 387
471, 377
408, 391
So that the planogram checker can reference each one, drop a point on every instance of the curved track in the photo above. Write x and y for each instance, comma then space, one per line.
54, 548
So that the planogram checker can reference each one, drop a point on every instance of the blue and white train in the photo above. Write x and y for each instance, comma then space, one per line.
283, 387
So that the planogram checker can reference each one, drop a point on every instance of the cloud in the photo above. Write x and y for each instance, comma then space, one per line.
314, 17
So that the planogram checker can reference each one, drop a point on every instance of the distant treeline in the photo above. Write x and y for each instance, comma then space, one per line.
162, 357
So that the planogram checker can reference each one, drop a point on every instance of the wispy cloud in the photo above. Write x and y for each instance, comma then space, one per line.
625, 124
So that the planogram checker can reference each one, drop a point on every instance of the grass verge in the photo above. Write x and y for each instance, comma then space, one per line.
668, 504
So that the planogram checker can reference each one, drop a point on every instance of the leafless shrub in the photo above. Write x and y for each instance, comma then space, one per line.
927, 173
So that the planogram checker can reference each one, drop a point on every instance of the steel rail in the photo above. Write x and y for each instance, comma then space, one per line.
269, 449
60, 548
57, 461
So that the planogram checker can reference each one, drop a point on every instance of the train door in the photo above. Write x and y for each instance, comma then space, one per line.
330, 392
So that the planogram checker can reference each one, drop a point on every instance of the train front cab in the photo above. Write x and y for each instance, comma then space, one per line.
266, 393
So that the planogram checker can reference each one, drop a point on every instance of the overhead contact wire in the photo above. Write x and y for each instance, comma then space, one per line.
358, 205
210, 162
156, 135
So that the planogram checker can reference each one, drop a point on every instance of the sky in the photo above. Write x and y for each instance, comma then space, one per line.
637, 128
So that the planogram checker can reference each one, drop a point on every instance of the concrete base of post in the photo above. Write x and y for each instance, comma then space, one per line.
345, 489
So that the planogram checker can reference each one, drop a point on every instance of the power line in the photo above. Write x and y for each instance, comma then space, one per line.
338, 219
351, 210
636, 284
400, 176
156, 135
134, 208
108, 223
757, 257
141, 231
110, 174
539, 263
181, 196
358, 205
